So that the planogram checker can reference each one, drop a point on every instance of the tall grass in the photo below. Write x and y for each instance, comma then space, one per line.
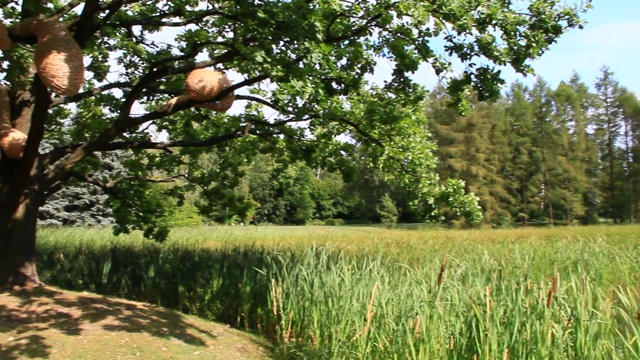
365, 293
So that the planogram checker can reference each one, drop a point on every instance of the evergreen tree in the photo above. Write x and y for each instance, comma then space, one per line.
572, 153
465, 151
586, 147
388, 212
546, 141
523, 170
84, 201
607, 133
630, 113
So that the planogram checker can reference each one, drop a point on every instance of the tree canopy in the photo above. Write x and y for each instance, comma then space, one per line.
300, 71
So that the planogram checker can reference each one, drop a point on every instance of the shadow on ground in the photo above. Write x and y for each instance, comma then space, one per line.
28, 318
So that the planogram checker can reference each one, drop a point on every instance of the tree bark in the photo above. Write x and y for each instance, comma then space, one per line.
20, 197
18, 244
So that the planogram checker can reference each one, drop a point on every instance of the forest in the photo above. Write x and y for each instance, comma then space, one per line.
535, 156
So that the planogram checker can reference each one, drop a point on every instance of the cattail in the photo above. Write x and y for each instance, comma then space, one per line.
5, 41
58, 59
443, 267
13, 142
205, 84
488, 291
370, 312
552, 290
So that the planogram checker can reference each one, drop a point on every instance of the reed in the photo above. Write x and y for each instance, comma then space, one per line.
368, 293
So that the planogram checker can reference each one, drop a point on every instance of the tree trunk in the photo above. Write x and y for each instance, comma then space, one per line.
18, 245
19, 203
20, 196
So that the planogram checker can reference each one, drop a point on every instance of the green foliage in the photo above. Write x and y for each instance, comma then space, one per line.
334, 222
468, 149
82, 204
542, 155
186, 215
388, 212
301, 69
142, 206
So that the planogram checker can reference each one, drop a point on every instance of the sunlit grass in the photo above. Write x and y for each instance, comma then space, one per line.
367, 292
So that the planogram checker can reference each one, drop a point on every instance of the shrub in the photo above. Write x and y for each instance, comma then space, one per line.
334, 222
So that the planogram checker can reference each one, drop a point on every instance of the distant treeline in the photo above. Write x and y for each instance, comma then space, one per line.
563, 155
536, 155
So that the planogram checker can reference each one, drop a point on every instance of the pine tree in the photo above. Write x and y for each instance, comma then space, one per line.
586, 148
608, 127
388, 212
572, 174
84, 202
630, 112
465, 151
522, 171
546, 140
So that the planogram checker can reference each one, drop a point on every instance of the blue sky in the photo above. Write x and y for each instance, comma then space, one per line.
611, 37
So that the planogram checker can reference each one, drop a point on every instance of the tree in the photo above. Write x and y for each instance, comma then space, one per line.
608, 124
571, 153
388, 212
522, 170
630, 112
585, 148
81, 203
329, 195
465, 151
306, 63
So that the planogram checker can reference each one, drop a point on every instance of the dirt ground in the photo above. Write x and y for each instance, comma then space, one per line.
48, 323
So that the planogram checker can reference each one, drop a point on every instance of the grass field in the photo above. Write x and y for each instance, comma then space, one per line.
371, 293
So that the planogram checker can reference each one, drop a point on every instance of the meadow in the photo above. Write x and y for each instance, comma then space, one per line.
370, 293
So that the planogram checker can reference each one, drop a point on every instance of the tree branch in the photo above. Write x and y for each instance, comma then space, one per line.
163, 112
258, 100
66, 9
90, 93
362, 133
89, 180
86, 26
150, 145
